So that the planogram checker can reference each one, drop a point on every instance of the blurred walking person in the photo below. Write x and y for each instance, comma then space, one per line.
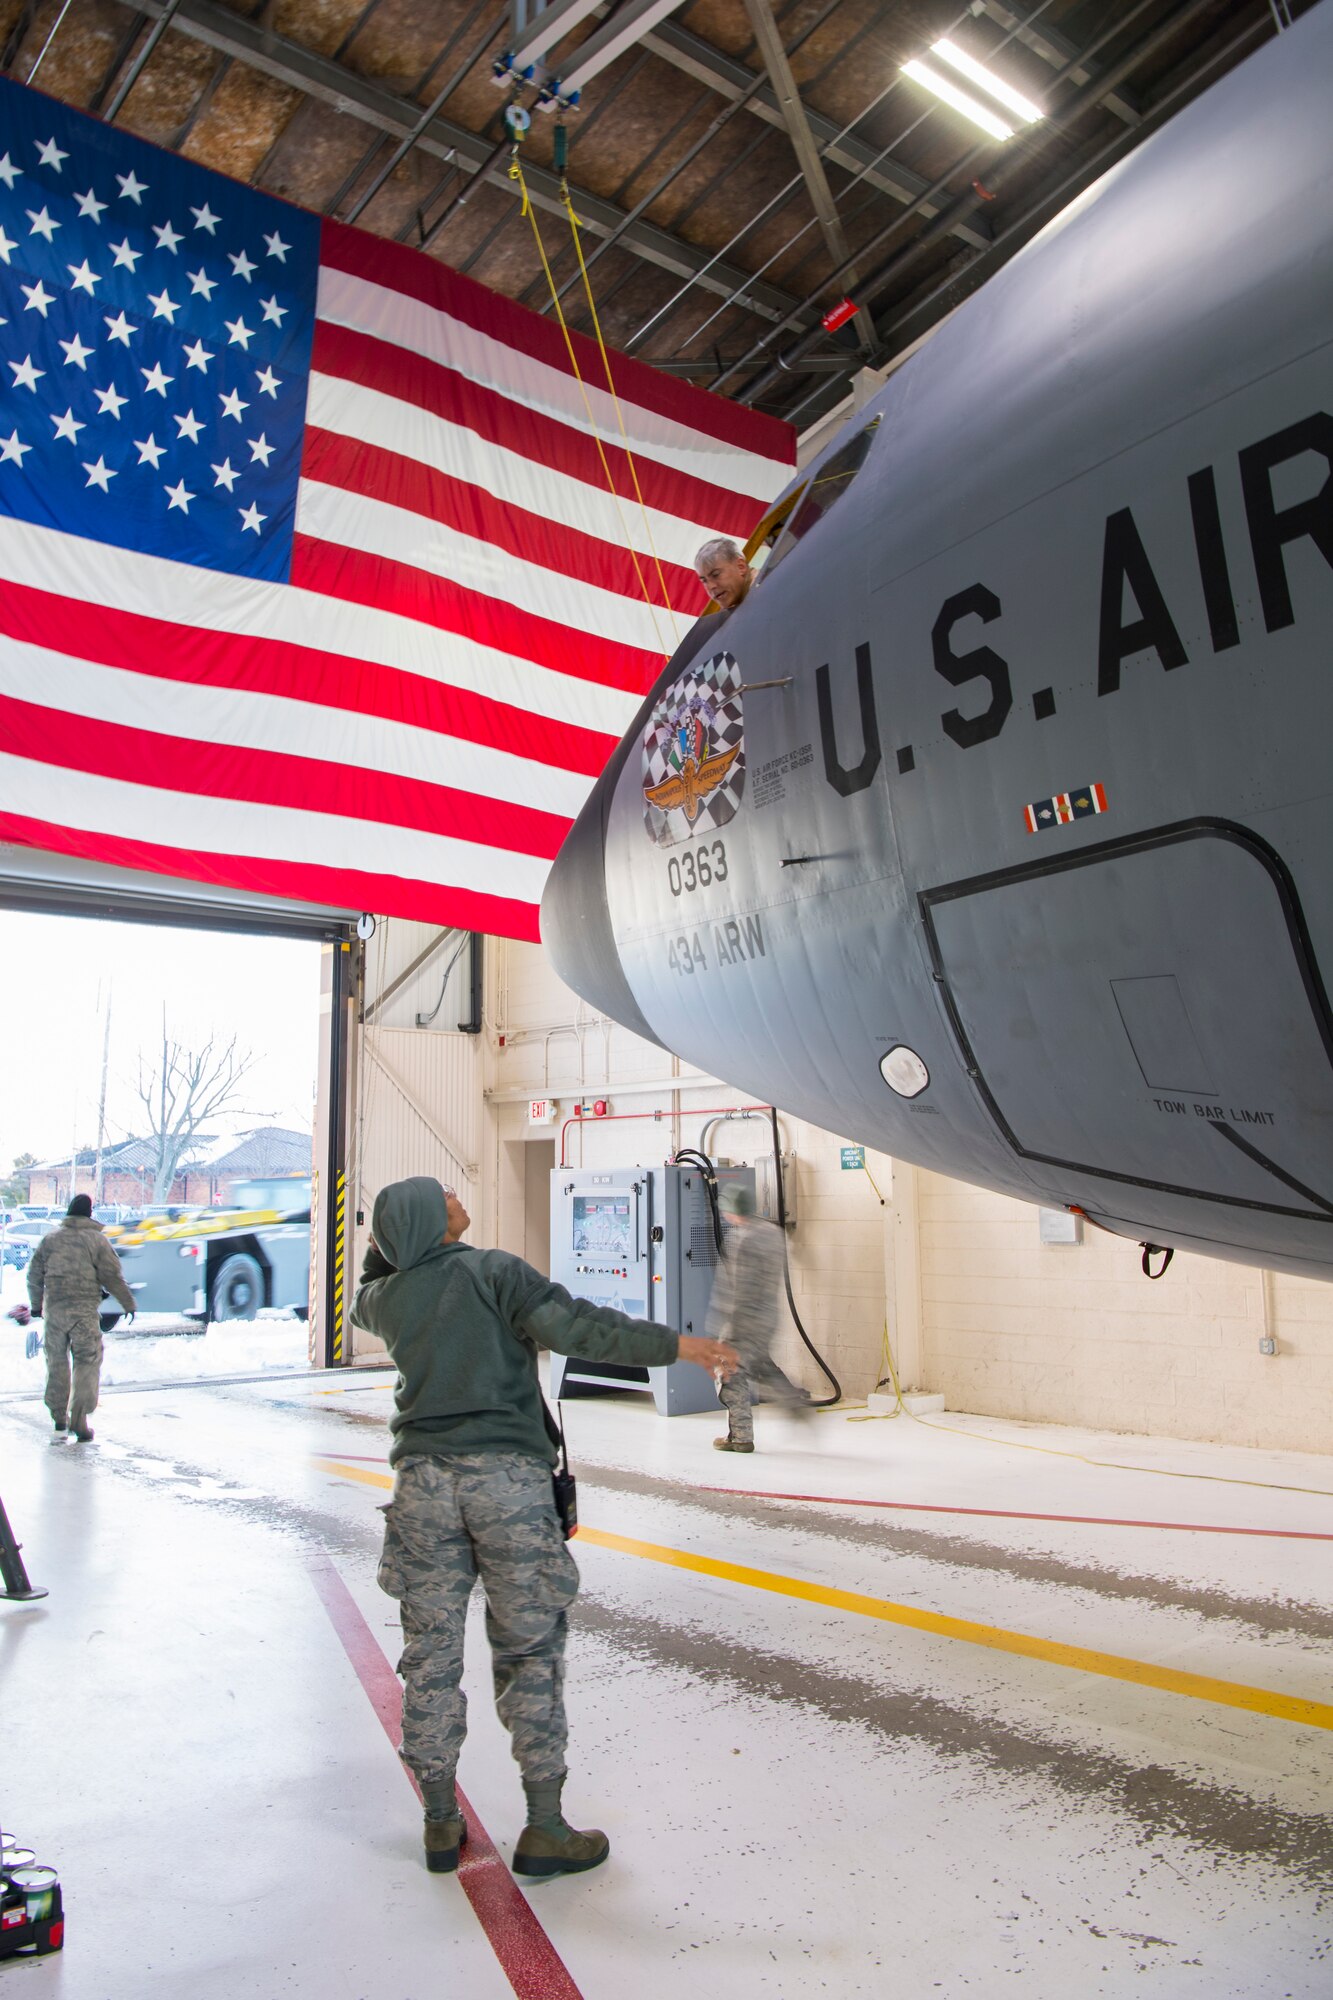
70, 1270
743, 1311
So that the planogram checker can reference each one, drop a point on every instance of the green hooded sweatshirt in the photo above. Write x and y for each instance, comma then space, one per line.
463, 1327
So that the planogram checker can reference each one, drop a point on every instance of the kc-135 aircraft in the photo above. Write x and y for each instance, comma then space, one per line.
993, 827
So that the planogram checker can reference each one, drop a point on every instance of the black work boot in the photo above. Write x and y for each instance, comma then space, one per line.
548, 1845
85, 1436
60, 1423
444, 1830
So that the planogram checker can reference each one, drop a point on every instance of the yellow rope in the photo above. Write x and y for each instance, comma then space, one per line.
615, 400
516, 174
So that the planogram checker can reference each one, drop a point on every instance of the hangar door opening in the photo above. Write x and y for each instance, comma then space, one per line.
414, 1081
172, 1073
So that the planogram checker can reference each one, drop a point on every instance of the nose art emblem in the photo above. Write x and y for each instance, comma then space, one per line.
694, 753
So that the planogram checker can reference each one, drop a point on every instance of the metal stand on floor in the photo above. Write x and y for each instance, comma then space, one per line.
15, 1575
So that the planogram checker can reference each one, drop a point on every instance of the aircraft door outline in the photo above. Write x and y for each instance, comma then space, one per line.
1111, 1109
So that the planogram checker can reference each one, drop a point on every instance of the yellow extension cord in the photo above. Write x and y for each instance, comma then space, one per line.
1050, 1451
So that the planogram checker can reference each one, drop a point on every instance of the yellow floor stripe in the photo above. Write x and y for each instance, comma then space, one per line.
1111, 1666
357, 1472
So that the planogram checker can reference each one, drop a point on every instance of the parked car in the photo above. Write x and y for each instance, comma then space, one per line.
19, 1242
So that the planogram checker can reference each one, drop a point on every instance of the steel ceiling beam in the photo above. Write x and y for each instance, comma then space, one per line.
732, 79
908, 326
544, 30
287, 62
1083, 100
770, 46
141, 61
1058, 52
810, 364
629, 23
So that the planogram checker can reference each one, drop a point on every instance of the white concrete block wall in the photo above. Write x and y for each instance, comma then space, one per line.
1015, 1328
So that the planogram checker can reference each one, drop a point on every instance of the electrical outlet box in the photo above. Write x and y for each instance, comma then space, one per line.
1268, 1345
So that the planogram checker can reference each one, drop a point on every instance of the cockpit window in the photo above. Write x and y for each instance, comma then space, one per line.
764, 539
825, 489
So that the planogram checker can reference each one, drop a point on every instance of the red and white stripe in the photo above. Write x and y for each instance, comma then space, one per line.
412, 722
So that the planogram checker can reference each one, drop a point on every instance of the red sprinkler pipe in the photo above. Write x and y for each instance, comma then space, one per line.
692, 1111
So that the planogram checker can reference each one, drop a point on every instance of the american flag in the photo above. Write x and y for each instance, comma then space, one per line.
313, 584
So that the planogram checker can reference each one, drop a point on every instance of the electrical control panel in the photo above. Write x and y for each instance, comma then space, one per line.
640, 1240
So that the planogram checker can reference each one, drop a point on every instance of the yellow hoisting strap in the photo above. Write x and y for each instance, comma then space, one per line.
615, 400
516, 175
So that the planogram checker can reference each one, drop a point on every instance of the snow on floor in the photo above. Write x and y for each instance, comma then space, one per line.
159, 1347
804, 1802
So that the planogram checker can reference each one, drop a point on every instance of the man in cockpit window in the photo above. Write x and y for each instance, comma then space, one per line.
724, 573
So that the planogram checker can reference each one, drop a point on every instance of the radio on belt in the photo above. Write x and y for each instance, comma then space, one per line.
638, 1239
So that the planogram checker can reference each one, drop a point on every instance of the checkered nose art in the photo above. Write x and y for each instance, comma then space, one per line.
694, 754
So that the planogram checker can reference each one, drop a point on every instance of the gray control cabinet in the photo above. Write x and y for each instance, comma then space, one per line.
638, 1239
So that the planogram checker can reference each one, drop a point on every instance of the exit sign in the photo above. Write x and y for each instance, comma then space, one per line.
542, 1110
853, 1156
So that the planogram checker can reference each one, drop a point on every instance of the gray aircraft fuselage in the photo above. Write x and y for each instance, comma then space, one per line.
1033, 818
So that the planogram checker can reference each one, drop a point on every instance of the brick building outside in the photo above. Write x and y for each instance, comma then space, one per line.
206, 1180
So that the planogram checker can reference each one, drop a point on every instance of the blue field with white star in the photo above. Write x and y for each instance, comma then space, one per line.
156, 324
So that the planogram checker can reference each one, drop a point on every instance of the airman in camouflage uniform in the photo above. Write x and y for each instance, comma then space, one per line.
472, 1498
70, 1270
486, 1513
743, 1310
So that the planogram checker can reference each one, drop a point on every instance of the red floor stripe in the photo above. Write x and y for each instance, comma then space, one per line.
986, 1513
529, 1960
1007, 1514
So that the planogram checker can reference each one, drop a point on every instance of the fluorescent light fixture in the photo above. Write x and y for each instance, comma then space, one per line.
975, 72
970, 107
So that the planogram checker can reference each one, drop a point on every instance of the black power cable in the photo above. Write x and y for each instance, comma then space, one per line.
709, 1172
820, 1402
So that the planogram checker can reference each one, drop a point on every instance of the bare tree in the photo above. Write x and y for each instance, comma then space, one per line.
182, 1093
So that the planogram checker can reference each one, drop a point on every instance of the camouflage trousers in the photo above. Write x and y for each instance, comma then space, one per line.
758, 1379
489, 1515
78, 1334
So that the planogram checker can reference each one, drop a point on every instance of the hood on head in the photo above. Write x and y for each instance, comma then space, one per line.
409, 1220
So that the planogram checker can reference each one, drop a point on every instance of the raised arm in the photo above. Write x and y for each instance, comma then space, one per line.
549, 1316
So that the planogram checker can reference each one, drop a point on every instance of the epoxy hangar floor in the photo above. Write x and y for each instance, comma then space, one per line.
887, 1708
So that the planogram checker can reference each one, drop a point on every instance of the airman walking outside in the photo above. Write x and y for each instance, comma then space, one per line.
70, 1270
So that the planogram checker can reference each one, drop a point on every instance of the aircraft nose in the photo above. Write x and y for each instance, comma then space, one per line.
576, 921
